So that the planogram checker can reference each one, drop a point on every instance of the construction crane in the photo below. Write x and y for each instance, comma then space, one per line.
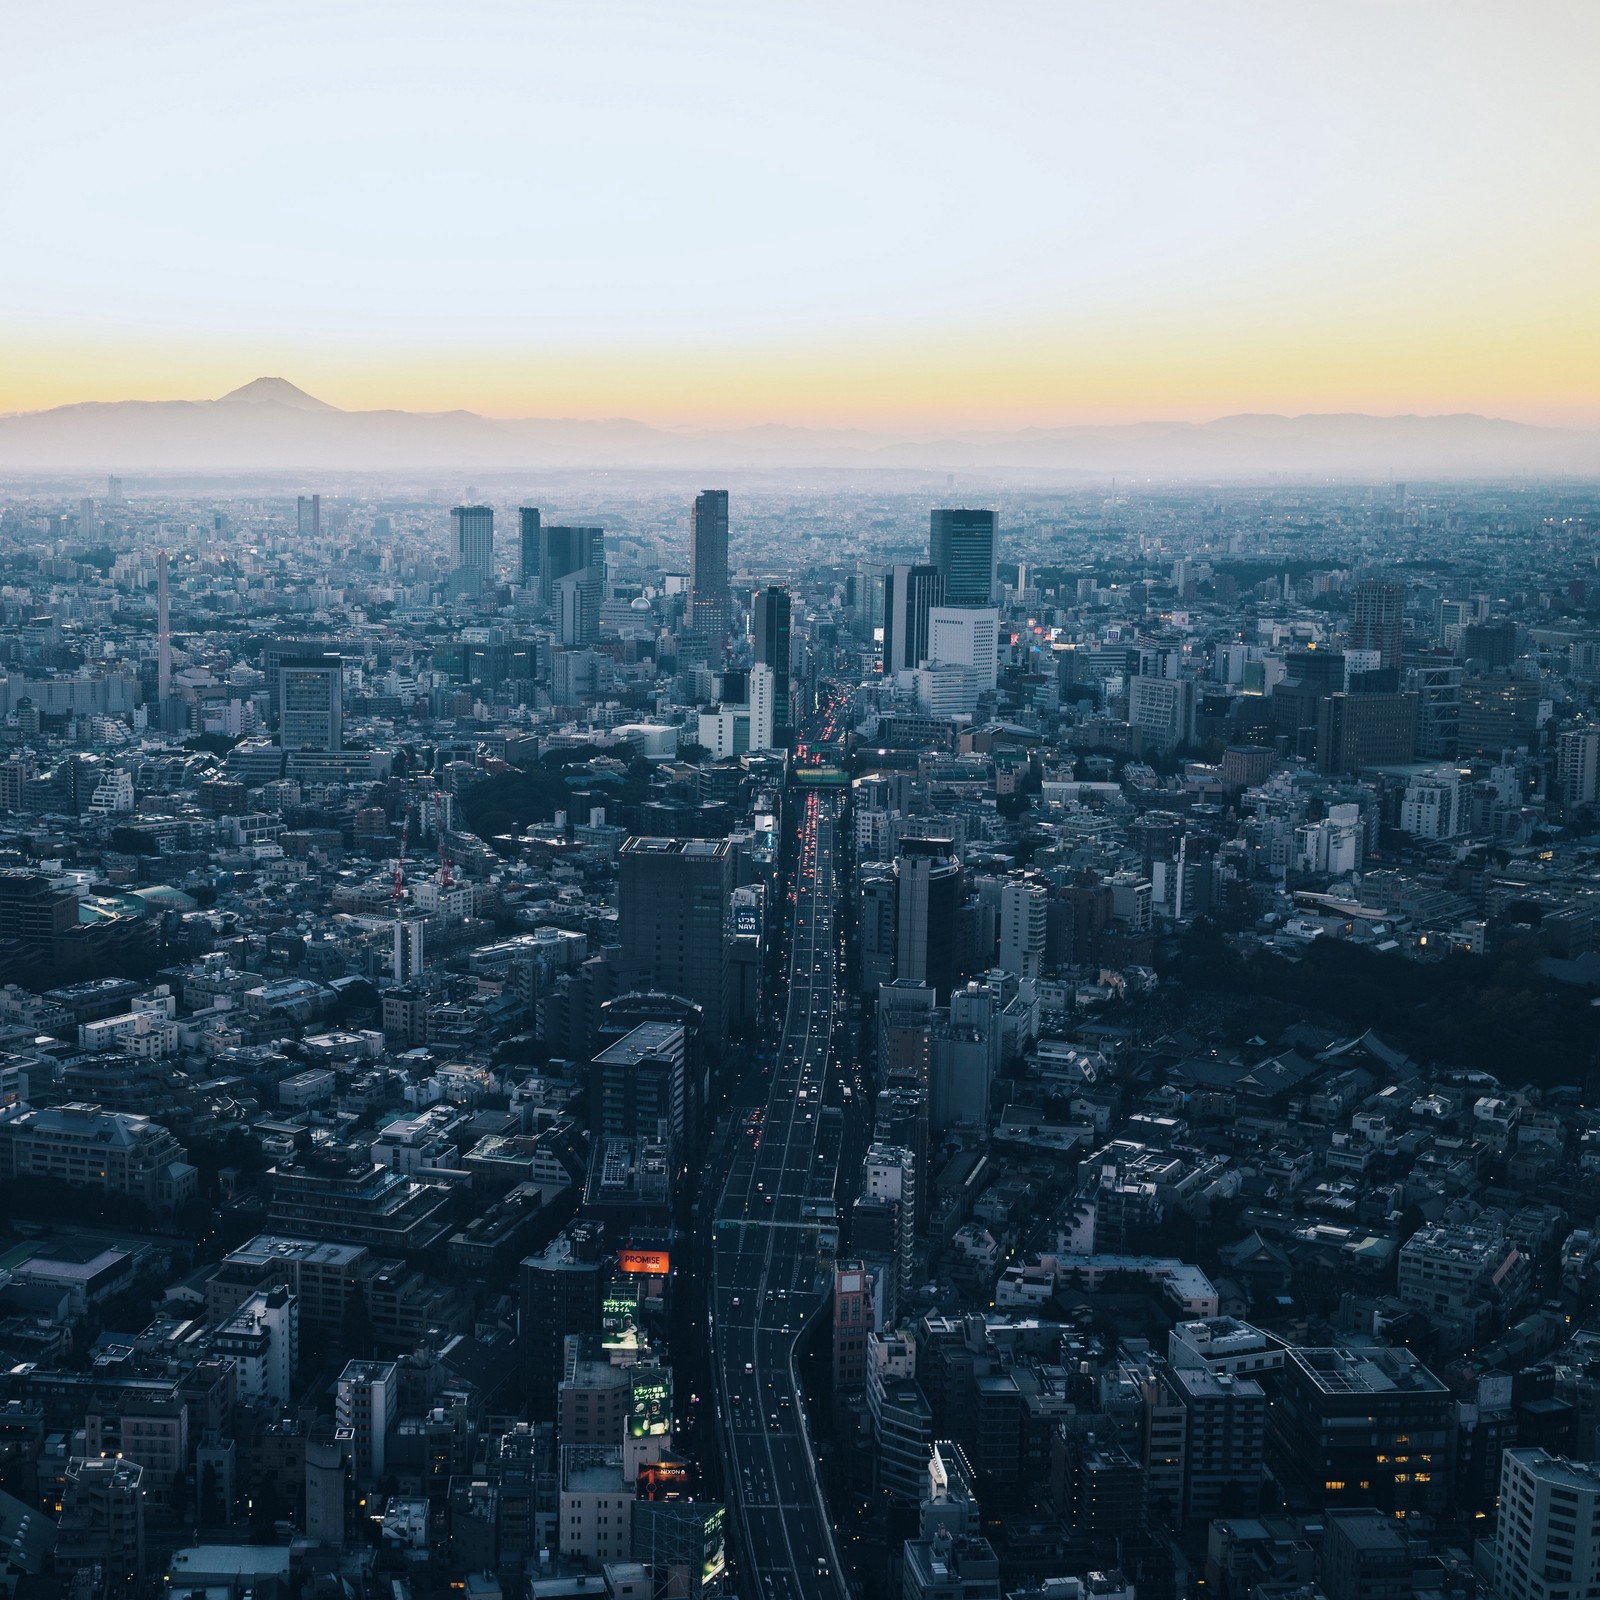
398, 893
444, 854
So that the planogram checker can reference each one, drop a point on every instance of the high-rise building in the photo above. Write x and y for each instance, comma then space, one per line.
1224, 1439
770, 627
638, 1086
1024, 915
101, 1532
528, 568
891, 1178
308, 515
710, 609
1547, 1541
854, 1317
1162, 710
1364, 1427
367, 1402
961, 544
88, 528
1365, 730
563, 1289
163, 630
672, 897
966, 636
327, 1489
311, 704
1578, 765
909, 595
927, 933
263, 1338
566, 549
1377, 619
472, 541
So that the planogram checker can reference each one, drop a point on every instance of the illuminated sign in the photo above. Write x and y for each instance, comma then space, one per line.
650, 1408
644, 1263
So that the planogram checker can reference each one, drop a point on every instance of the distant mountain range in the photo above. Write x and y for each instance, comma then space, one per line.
270, 426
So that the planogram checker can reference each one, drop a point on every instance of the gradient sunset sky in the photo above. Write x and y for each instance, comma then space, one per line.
872, 214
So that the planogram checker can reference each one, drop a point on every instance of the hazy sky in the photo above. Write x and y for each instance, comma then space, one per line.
865, 213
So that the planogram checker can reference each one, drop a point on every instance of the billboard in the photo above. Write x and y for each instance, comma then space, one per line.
644, 1263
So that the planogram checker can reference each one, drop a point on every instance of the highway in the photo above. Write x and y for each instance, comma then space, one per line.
765, 1283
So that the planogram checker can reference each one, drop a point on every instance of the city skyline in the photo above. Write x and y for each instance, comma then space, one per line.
1139, 215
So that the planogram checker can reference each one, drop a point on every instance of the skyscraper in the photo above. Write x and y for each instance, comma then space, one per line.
528, 568
771, 629
961, 545
909, 594
1376, 612
163, 630
472, 540
709, 606
927, 914
311, 702
564, 550
308, 515
672, 897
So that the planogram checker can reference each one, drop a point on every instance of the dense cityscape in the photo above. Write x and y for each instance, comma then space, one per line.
845, 1035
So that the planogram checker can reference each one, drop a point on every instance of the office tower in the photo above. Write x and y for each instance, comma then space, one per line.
866, 600
308, 516
1365, 730
927, 914
528, 569
87, 526
1024, 913
909, 594
1436, 682
367, 1402
1578, 766
672, 896
163, 630
761, 695
961, 545
1162, 710
564, 549
1547, 1541
472, 541
113, 491
563, 1289
891, 1179
770, 627
1376, 619
710, 609
575, 605
638, 1086
1363, 1427
311, 704
966, 636
905, 1031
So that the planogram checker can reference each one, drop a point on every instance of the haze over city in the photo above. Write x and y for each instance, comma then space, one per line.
799, 803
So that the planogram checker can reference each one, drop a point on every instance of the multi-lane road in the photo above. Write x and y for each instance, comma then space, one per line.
765, 1279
